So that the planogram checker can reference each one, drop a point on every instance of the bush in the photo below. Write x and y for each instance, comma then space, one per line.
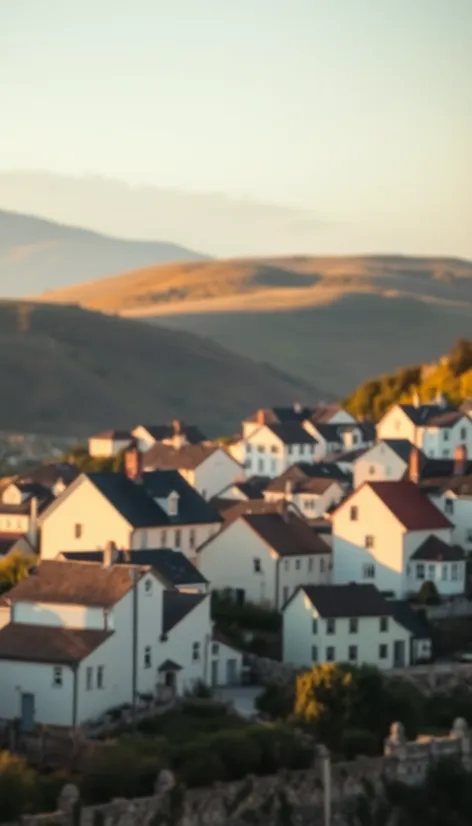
428, 594
198, 765
276, 702
251, 617
282, 748
117, 771
239, 754
199, 689
359, 741
17, 787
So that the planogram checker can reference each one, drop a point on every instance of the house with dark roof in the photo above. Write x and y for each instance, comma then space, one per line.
21, 504
176, 434
436, 428
351, 623
270, 448
246, 490
378, 529
206, 467
388, 460
330, 413
262, 557
313, 488
133, 509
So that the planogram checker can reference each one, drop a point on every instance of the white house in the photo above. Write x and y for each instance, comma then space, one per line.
435, 428
108, 443
207, 468
134, 510
333, 438
177, 434
263, 557
314, 489
272, 448
323, 413
21, 504
245, 491
343, 624
388, 460
376, 532
448, 483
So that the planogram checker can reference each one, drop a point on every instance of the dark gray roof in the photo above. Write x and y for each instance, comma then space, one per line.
292, 433
9, 540
435, 550
166, 431
176, 606
402, 448
253, 487
329, 432
426, 414
51, 472
130, 499
173, 566
193, 508
301, 473
352, 600
169, 665
414, 621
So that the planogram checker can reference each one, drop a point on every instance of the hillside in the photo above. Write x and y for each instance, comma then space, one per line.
36, 255
69, 371
331, 321
451, 376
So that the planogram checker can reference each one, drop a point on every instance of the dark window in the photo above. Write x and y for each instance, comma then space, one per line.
77, 531
446, 435
100, 676
330, 626
147, 656
449, 506
196, 651
322, 565
353, 625
420, 571
297, 564
257, 566
383, 624
290, 449
463, 433
148, 586
287, 564
383, 651
310, 564
352, 653
57, 676
314, 653
369, 541
314, 626
163, 539
330, 654
192, 538
354, 513
177, 539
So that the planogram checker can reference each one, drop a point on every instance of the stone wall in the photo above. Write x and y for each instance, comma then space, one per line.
286, 798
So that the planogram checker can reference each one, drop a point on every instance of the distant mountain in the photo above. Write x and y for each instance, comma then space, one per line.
38, 255
331, 321
64, 370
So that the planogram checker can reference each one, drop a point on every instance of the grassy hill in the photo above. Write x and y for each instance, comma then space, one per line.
70, 371
451, 376
331, 321
36, 255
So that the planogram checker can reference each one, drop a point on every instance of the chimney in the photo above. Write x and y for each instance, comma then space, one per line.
110, 554
178, 435
261, 416
288, 490
133, 464
297, 408
460, 460
416, 399
414, 465
33, 523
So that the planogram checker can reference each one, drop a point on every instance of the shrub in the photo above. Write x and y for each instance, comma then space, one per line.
198, 765
282, 748
239, 754
199, 689
248, 616
117, 771
428, 594
359, 741
276, 701
17, 786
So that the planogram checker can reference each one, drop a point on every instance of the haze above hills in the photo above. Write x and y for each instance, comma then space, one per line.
37, 255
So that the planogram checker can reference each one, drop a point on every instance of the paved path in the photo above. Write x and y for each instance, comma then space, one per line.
242, 697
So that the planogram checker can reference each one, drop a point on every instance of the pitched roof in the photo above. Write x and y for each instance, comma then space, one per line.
48, 644
253, 487
352, 600
292, 433
323, 413
401, 447
166, 431
173, 566
129, 498
231, 509
435, 550
169, 665
176, 606
329, 432
50, 473
316, 477
9, 540
409, 505
424, 414
75, 583
287, 535
166, 457
193, 509
414, 621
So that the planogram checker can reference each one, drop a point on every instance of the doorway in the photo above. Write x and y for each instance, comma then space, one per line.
27, 723
231, 671
399, 654
214, 673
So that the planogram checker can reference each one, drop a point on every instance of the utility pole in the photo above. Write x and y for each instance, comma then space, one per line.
325, 759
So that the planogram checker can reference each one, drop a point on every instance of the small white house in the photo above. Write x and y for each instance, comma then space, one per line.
177, 434
438, 562
271, 448
376, 531
207, 468
108, 443
343, 624
388, 460
435, 428
263, 557
313, 489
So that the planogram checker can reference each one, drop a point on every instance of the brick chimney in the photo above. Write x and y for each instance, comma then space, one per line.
33, 523
414, 465
110, 554
261, 416
460, 460
178, 438
133, 464
288, 490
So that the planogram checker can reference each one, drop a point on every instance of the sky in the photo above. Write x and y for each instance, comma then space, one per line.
318, 126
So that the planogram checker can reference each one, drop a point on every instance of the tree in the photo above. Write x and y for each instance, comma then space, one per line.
13, 568
323, 698
428, 593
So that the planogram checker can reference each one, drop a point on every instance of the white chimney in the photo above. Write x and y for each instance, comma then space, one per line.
110, 554
288, 490
416, 399
33, 523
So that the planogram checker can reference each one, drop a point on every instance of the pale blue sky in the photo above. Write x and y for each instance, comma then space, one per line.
357, 111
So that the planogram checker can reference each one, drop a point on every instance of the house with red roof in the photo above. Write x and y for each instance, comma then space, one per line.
391, 535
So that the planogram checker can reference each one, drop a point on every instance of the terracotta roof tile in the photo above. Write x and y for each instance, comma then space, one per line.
410, 505
48, 644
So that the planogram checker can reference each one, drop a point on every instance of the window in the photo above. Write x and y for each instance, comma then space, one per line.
463, 433
196, 651
330, 626
191, 540
177, 538
454, 571
369, 541
89, 678
290, 450
371, 470
57, 676
261, 448
100, 676
383, 651
314, 625
354, 513
260, 465
302, 449
310, 564
147, 656
330, 654
445, 435
420, 571
163, 539
431, 572
248, 447
449, 506
352, 653
314, 653
383, 625
297, 564
173, 504
322, 565
148, 586
353, 625
468, 536
444, 572
77, 530
257, 566
274, 449
287, 564
368, 571
311, 448
285, 594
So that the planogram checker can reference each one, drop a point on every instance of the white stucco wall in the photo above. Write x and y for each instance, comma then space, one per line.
265, 455
225, 661
53, 704
299, 639
12, 523
461, 516
106, 447
395, 424
64, 616
379, 463
302, 570
217, 472
191, 537
82, 504
196, 627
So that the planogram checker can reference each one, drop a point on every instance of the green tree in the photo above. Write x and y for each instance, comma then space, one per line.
323, 698
14, 567
428, 593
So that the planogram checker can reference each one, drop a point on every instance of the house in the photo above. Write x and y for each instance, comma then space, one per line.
109, 443
177, 434
272, 448
376, 532
448, 483
350, 623
207, 468
172, 567
20, 506
421, 642
388, 460
15, 543
245, 490
313, 488
435, 428
135, 510
263, 557
338, 438
322, 413
438, 562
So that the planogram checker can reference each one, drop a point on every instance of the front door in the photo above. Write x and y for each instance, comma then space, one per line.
399, 654
230, 672
27, 713
214, 673
169, 679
